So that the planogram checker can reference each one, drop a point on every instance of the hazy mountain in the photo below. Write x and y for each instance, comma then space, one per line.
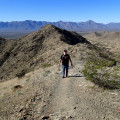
28, 25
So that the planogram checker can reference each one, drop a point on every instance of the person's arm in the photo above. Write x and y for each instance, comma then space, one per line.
71, 62
59, 62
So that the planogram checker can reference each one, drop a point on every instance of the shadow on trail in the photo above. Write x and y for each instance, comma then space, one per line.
76, 76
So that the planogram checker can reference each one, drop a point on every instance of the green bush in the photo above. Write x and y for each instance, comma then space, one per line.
101, 74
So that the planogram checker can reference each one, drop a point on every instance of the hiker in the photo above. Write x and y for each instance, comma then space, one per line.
65, 58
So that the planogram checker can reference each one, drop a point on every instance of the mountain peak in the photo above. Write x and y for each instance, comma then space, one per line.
90, 21
55, 34
49, 26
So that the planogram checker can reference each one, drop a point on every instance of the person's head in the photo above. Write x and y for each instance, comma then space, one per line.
65, 52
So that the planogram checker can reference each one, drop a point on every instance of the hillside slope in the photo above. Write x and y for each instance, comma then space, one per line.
31, 51
109, 40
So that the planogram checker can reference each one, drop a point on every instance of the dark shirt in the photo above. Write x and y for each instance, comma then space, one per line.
65, 59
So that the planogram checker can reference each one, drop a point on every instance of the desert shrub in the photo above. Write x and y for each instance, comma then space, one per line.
16, 87
59, 69
21, 73
101, 74
45, 74
112, 63
27, 80
45, 65
73, 56
4, 58
55, 61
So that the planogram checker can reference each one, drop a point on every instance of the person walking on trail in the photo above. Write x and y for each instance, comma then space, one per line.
65, 58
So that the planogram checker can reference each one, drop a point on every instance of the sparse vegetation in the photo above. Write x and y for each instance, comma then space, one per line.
45, 74
27, 80
6, 55
17, 87
45, 65
55, 61
73, 56
58, 68
20, 93
101, 74
4, 88
4, 58
21, 73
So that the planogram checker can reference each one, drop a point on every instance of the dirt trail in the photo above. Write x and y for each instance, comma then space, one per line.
54, 98
74, 98
62, 102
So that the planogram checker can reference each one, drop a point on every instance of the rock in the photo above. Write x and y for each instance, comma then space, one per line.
38, 98
21, 108
70, 117
74, 107
45, 117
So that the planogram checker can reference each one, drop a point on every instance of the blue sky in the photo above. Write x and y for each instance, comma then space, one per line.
102, 11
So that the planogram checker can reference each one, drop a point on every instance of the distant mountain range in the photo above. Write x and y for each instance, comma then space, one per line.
28, 25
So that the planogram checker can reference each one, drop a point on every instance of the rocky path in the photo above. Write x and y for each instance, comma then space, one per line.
52, 98
74, 98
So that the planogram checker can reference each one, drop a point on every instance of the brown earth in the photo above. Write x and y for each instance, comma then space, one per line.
41, 93
109, 40
45, 95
